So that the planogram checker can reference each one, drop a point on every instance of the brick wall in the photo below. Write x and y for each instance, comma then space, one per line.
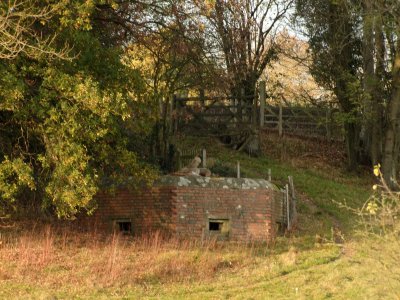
148, 210
249, 212
185, 207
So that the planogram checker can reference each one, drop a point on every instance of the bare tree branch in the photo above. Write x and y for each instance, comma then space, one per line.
17, 34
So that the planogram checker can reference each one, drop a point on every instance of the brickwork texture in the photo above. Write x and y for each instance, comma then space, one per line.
185, 207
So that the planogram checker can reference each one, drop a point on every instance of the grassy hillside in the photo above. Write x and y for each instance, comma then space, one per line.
308, 263
321, 186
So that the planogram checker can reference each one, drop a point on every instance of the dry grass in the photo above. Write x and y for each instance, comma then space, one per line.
46, 262
62, 264
47, 255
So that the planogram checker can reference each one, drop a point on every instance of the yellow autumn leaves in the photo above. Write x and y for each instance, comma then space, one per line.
377, 170
372, 206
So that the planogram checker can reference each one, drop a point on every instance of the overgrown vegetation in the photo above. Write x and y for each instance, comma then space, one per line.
354, 52
86, 92
38, 260
321, 258
69, 108
86, 85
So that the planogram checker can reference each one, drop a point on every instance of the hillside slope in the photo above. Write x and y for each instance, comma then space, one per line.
323, 257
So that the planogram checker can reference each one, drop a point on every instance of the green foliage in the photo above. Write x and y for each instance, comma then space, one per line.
332, 28
14, 174
67, 123
334, 43
299, 265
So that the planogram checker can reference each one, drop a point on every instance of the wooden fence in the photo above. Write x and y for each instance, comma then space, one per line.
288, 206
303, 121
212, 115
226, 116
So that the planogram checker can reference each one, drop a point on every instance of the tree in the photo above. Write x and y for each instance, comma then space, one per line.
21, 30
392, 133
355, 48
389, 11
375, 78
244, 32
289, 79
67, 125
332, 31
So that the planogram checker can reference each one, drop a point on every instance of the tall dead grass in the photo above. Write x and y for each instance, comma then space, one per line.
50, 256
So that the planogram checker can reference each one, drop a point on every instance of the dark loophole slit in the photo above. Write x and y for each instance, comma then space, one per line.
215, 226
125, 227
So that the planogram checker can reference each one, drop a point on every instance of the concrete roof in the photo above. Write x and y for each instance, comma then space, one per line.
215, 182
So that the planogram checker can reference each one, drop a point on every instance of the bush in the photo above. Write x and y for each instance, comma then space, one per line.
380, 214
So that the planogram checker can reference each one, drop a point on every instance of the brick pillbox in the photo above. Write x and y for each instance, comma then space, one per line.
193, 207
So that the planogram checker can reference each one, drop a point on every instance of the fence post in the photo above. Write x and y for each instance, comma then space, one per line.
269, 175
328, 124
202, 97
238, 169
293, 202
203, 158
171, 113
262, 103
242, 101
280, 121
291, 185
234, 103
177, 106
287, 206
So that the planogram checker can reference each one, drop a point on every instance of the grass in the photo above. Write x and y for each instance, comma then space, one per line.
174, 271
50, 262
321, 189
91, 265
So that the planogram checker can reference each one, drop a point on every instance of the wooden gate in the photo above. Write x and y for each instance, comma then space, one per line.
219, 116
318, 122
241, 117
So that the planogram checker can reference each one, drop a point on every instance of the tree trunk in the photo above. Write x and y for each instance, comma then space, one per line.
369, 80
392, 134
352, 145
244, 93
351, 124
372, 81
376, 138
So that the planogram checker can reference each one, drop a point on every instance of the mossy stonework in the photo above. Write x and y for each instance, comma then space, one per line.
194, 207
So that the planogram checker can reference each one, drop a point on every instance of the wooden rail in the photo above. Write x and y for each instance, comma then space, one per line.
221, 114
303, 121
